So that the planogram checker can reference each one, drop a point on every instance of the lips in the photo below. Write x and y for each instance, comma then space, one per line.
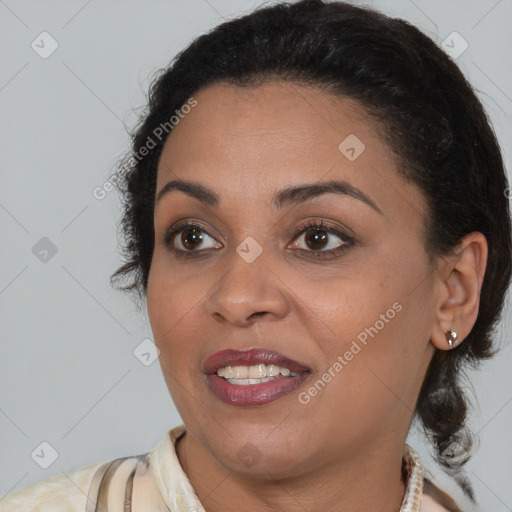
250, 357
252, 394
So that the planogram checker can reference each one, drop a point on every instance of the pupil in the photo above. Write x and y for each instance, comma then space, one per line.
191, 238
317, 236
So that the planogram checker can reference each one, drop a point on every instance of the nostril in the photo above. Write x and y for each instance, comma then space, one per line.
259, 313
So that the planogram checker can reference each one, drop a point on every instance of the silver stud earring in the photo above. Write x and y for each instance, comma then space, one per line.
451, 337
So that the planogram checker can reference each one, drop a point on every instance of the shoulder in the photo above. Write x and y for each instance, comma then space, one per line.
94, 487
58, 493
429, 504
436, 489
447, 494
120, 482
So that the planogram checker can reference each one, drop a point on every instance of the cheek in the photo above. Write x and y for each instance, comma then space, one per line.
354, 302
174, 314
174, 310
376, 321
378, 355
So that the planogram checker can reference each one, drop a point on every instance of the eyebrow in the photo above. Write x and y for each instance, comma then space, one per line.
287, 197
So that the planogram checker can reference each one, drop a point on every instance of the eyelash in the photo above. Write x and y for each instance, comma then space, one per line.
171, 233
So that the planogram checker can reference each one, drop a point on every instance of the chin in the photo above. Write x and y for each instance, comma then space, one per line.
258, 452
265, 464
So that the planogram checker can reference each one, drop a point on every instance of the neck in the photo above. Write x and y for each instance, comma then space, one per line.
372, 481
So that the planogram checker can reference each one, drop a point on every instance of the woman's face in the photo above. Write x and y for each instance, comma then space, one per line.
349, 303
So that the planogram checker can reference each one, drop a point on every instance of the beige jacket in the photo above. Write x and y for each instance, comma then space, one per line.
155, 482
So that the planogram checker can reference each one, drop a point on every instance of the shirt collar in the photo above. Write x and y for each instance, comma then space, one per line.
179, 495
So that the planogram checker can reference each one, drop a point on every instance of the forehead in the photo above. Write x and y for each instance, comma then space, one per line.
282, 115
254, 140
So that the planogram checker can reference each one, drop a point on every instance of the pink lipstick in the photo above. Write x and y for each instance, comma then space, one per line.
252, 377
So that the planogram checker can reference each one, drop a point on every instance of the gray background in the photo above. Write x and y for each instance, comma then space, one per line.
68, 375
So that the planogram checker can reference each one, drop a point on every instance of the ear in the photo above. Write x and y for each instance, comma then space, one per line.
458, 292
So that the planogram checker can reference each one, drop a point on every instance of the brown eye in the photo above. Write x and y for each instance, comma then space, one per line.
316, 239
191, 238
320, 240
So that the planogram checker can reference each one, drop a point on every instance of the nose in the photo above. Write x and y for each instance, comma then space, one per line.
246, 291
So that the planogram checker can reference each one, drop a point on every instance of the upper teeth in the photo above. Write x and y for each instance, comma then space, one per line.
256, 371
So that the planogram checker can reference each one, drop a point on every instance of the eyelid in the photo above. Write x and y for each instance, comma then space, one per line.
169, 235
178, 226
322, 225
347, 240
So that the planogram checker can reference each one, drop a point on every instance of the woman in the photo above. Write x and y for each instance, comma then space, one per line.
324, 245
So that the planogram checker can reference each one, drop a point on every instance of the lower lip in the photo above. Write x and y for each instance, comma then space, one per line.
254, 394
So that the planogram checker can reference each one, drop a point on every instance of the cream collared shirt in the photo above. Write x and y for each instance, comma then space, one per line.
156, 482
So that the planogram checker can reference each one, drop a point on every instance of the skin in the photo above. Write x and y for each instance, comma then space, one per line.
342, 450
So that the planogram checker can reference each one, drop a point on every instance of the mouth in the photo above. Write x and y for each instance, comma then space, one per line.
252, 377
